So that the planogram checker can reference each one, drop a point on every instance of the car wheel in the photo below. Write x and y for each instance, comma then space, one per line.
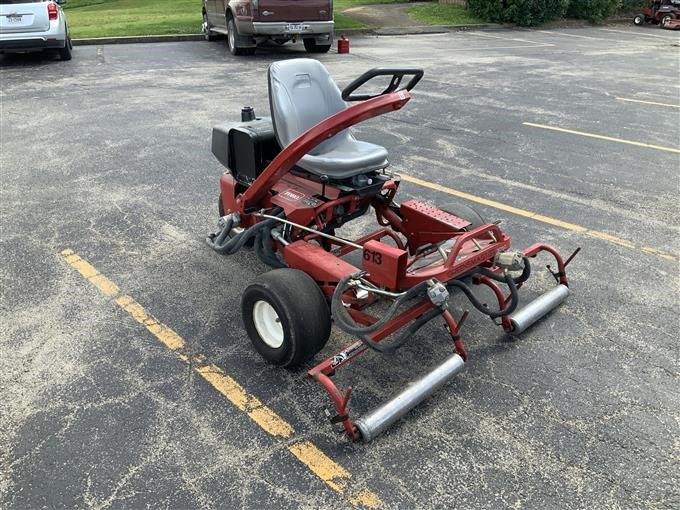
232, 38
206, 29
465, 212
286, 316
65, 52
312, 47
638, 20
665, 19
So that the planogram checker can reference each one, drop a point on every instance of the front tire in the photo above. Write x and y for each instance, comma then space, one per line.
206, 29
286, 316
638, 20
312, 47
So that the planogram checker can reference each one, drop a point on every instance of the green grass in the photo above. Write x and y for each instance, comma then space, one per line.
342, 21
110, 18
102, 18
442, 14
339, 5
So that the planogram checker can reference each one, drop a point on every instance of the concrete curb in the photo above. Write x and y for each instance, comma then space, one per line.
426, 29
417, 29
138, 39
382, 31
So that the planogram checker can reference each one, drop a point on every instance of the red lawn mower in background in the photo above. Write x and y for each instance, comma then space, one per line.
295, 178
661, 12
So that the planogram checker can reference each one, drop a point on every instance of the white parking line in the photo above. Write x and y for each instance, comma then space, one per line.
479, 34
639, 34
452, 55
553, 32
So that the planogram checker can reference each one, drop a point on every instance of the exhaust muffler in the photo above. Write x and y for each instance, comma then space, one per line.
525, 317
377, 421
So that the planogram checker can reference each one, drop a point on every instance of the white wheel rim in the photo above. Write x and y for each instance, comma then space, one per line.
268, 324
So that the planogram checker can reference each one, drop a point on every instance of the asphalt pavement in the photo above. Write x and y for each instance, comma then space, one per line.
113, 306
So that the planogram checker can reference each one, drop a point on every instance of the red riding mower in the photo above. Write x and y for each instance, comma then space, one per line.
661, 12
296, 178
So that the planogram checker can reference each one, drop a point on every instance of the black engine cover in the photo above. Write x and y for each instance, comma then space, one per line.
245, 148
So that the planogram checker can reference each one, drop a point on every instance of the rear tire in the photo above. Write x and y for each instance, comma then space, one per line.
65, 52
232, 40
465, 212
638, 20
312, 47
664, 19
286, 316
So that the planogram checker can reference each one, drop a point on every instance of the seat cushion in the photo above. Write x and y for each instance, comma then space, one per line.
348, 158
302, 94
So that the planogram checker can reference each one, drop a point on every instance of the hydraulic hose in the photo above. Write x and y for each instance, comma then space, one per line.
507, 279
219, 239
404, 335
338, 308
220, 243
231, 246
265, 251
343, 319
526, 273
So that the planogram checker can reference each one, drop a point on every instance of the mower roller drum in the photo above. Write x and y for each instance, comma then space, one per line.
296, 177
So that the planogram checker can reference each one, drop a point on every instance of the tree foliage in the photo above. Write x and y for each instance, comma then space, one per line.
522, 12
535, 12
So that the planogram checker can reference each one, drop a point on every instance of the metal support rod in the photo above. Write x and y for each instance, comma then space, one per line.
377, 421
301, 227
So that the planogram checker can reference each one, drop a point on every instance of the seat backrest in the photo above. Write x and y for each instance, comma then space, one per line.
302, 94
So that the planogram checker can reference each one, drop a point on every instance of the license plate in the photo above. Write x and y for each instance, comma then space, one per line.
295, 27
14, 19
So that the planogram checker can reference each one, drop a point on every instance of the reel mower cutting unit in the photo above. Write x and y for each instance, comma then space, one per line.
295, 178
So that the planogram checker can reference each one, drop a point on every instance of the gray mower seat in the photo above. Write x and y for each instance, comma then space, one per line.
302, 94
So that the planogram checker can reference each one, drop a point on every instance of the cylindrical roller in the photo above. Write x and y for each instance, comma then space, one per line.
539, 307
377, 421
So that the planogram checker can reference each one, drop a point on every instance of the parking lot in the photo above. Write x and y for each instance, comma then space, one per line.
126, 377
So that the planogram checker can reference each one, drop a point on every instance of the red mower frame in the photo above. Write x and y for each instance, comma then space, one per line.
404, 253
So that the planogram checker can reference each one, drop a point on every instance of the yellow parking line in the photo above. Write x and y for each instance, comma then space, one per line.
331, 473
267, 419
648, 102
538, 217
601, 137
105, 285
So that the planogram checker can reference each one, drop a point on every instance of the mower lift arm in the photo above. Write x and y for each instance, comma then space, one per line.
324, 130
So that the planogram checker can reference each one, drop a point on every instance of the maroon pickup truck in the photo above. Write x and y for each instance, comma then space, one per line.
246, 23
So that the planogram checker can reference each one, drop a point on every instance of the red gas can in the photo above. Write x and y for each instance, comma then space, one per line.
343, 45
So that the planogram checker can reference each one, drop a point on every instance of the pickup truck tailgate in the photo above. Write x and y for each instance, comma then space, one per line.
294, 10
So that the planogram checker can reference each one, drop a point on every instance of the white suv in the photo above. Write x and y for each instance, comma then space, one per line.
34, 25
